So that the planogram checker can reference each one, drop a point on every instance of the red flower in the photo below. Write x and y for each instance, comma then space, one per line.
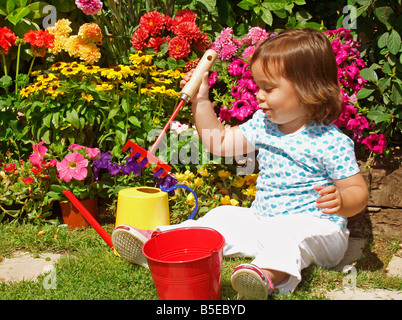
10, 167
185, 15
7, 39
179, 48
202, 43
36, 170
187, 30
28, 180
155, 43
139, 38
39, 40
153, 22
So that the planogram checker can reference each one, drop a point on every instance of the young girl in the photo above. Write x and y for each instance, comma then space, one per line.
309, 181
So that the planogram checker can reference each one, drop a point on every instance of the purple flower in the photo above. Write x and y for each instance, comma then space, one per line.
89, 7
228, 51
166, 182
132, 166
102, 163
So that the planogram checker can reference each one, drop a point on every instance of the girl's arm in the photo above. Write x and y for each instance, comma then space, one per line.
347, 197
214, 136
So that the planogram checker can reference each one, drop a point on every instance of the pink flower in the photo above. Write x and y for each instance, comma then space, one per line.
225, 115
254, 36
228, 51
74, 166
237, 67
213, 77
248, 52
39, 152
375, 142
93, 153
89, 7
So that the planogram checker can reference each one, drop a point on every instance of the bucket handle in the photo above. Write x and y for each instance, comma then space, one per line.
182, 186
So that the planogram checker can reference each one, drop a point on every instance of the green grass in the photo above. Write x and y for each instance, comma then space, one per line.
89, 270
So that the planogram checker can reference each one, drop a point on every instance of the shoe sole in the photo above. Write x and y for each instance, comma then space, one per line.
249, 285
128, 244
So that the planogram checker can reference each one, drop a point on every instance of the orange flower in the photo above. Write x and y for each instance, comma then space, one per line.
91, 32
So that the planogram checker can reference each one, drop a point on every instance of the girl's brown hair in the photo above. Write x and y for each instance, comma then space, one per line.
305, 58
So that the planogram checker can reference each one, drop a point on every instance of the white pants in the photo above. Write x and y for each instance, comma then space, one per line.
287, 243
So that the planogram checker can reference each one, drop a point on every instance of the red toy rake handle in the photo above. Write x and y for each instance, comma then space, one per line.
189, 90
91, 220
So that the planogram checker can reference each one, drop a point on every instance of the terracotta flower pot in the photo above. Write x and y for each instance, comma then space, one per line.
73, 218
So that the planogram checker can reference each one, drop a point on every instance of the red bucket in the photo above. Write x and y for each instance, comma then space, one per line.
186, 263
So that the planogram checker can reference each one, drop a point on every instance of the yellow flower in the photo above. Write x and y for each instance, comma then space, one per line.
67, 71
52, 89
57, 66
128, 85
198, 182
187, 175
233, 202
239, 182
87, 97
156, 120
223, 174
140, 57
250, 191
162, 80
25, 92
90, 32
190, 199
203, 172
251, 179
105, 86
172, 93
90, 69
176, 74
61, 31
227, 201
46, 77
157, 89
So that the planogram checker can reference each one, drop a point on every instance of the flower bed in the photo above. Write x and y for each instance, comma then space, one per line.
74, 99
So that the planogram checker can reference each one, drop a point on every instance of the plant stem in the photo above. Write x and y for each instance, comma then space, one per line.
17, 68
5, 66
30, 68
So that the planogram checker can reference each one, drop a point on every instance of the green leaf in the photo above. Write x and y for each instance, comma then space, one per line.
364, 93
37, 9
368, 74
382, 40
275, 4
135, 121
384, 14
10, 6
394, 42
267, 16
72, 117
396, 95
15, 16
6, 81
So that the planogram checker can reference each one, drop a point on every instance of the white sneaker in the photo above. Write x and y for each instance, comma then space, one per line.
128, 242
251, 282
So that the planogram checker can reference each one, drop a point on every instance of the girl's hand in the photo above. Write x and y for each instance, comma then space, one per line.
330, 201
203, 92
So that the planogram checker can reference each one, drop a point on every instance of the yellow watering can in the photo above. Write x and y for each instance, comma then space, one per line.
146, 207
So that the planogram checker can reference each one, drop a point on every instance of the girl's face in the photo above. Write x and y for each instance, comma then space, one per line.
278, 100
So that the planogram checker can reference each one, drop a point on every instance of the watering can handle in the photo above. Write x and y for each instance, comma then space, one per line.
181, 186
